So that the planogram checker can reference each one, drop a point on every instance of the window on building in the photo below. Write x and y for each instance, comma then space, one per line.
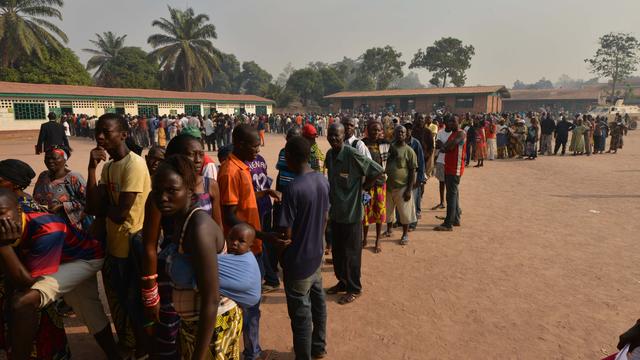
189, 109
389, 105
147, 110
29, 111
346, 104
407, 105
261, 110
464, 102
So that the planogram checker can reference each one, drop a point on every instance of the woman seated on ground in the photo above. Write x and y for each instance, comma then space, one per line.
208, 325
62, 191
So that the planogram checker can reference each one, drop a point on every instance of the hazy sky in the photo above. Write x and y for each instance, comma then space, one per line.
514, 39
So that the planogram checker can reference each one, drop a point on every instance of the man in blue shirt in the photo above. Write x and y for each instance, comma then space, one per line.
421, 178
303, 219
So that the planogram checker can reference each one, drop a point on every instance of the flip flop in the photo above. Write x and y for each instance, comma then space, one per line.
348, 298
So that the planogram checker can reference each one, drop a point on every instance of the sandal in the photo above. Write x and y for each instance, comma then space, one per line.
348, 298
387, 233
404, 240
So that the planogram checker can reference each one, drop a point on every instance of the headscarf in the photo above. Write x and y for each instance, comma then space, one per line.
17, 172
60, 151
193, 131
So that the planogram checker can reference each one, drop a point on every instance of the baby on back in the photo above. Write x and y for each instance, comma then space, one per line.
240, 278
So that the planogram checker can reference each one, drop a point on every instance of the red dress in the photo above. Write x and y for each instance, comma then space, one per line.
481, 144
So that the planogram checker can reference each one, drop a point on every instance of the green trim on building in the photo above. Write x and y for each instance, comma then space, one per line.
124, 98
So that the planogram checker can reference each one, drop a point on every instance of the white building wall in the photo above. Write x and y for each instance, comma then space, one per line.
99, 107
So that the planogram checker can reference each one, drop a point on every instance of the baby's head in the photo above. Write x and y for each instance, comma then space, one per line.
240, 239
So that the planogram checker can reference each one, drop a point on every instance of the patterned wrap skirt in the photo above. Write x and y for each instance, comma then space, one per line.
376, 211
225, 343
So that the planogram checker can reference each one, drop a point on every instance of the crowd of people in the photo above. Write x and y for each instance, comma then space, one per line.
186, 246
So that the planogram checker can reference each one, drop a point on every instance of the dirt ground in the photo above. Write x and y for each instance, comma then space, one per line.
542, 267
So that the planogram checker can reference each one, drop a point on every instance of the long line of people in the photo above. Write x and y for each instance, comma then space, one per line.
186, 247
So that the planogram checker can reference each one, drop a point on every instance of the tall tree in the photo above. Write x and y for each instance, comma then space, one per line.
132, 68
281, 95
346, 69
307, 83
25, 30
254, 79
616, 58
331, 81
227, 79
108, 45
185, 48
57, 67
446, 59
382, 65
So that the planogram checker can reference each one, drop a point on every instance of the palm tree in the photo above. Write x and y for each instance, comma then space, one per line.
24, 30
108, 46
185, 48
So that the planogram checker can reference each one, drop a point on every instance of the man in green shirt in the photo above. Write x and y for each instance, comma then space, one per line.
346, 168
401, 177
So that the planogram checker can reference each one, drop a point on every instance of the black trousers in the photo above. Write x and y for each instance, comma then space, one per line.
453, 200
560, 142
347, 255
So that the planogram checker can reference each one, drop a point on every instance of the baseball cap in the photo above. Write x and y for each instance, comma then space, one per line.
309, 131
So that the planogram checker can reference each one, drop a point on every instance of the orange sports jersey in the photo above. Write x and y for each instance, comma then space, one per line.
236, 189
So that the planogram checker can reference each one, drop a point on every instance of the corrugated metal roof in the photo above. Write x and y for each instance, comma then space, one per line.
14, 88
425, 91
586, 93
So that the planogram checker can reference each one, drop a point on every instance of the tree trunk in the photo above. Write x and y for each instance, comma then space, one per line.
613, 91
444, 80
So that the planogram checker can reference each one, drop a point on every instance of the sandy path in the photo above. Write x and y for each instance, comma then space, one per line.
533, 273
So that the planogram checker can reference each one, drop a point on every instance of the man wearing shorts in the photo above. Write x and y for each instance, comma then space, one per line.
46, 259
401, 177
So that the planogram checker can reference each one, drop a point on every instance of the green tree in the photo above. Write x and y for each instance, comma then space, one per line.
616, 58
281, 95
254, 79
447, 59
331, 84
307, 83
107, 48
361, 82
346, 69
227, 79
25, 30
185, 50
381, 65
132, 67
57, 67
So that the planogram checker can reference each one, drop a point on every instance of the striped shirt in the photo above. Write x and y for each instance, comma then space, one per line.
285, 176
48, 240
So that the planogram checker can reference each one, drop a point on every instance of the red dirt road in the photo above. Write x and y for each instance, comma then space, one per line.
543, 267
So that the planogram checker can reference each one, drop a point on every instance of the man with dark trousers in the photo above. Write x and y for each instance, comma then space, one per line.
346, 168
51, 134
562, 134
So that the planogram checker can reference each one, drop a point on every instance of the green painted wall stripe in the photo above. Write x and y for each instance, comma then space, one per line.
124, 98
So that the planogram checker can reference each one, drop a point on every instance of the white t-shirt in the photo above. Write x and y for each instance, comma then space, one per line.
66, 128
443, 136
208, 127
